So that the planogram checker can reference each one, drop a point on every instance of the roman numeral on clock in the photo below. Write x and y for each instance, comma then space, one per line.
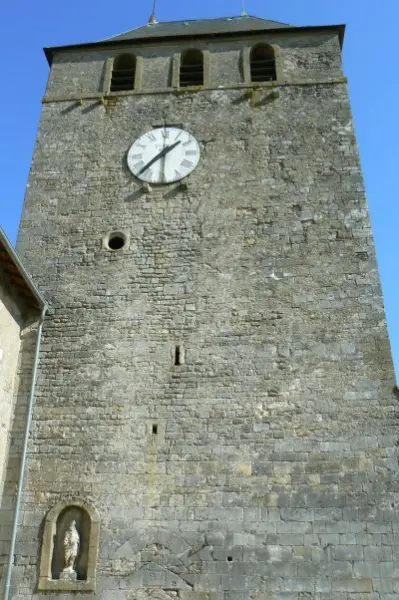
186, 163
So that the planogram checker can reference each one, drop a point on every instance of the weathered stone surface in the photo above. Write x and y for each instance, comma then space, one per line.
272, 474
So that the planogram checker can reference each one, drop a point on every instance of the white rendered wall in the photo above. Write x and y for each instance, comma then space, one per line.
9, 352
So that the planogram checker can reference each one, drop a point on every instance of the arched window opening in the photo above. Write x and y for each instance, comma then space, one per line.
123, 73
192, 68
263, 63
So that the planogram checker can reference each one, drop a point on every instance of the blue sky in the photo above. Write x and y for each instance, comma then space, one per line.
370, 59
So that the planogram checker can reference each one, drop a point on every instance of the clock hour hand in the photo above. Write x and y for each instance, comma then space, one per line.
158, 156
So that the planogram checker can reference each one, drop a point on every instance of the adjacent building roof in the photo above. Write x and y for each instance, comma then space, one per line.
20, 279
195, 29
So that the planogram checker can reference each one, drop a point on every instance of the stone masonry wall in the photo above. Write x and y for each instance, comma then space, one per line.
271, 473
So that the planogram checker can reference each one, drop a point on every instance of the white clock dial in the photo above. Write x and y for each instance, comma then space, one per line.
163, 155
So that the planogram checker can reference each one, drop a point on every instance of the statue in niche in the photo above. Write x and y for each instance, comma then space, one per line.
71, 549
70, 544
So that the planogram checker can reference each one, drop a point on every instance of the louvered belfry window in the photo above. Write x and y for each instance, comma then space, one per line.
123, 73
191, 68
262, 63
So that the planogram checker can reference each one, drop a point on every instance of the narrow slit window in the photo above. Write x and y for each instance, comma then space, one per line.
154, 429
262, 63
178, 356
191, 68
123, 73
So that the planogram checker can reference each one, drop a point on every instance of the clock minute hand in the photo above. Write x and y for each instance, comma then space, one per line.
158, 156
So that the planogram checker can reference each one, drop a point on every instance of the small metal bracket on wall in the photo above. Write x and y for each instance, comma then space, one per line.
108, 101
146, 188
258, 96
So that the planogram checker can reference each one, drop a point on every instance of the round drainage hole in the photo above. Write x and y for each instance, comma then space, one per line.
116, 241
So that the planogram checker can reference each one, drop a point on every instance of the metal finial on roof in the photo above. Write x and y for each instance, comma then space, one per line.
243, 11
152, 20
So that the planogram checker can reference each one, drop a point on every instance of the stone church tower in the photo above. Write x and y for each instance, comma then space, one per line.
215, 413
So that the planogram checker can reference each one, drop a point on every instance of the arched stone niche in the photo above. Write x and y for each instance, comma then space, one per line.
54, 574
81, 519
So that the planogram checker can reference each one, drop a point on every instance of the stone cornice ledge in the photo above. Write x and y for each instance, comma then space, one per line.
103, 97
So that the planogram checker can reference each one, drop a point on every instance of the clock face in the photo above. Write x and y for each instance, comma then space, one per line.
163, 155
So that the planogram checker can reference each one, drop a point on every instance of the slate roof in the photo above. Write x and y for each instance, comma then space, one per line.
19, 278
196, 29
199, 27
